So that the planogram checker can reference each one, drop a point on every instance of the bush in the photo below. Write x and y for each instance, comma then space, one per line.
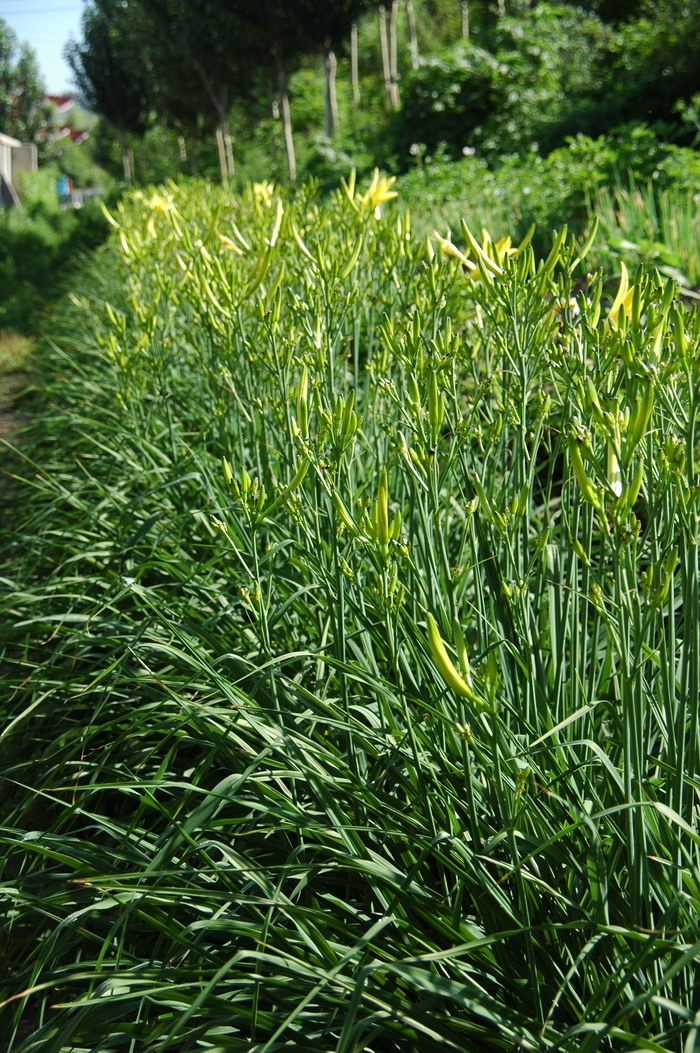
536, 84
448, 100
548, 191
38, 245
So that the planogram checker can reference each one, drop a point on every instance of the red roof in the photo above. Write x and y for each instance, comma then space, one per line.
61, 102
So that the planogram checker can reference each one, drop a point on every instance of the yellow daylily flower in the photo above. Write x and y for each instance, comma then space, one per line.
227, 243
160, 202
622, 304
378, 192
450, 249
263, 193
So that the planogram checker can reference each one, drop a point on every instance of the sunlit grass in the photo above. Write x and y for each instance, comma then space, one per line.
15, 352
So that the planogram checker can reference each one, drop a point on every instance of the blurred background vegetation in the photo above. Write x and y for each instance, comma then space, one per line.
501, 111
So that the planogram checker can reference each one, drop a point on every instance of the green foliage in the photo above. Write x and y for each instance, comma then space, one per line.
656, 228
38, 248
77, 161
549, 191
448, 100
24, 113
350, 627
328, 163
689, 113
657, 60
553, 58
109, 67
159, 156
536, 84
534, 77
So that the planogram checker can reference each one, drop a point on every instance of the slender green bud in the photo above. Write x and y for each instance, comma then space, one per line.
413, 392
461, 648
639, 418
395, 528
636, 313
614, 311
614, 473
445, 664
349, 421
344, 516
585, 483
586, 247
518, 507
488, 263
669, 566
553, 258
381, 510
629, 496
580, 550
484, 502
594, 402
436, 408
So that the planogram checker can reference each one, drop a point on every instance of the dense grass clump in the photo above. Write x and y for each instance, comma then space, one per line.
352, 634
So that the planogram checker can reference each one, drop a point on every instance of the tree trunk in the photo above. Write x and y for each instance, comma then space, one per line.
384, 44
194, 156
465, 19
219, 99
330, 66
412, 34
182, 148
393, 53
228, 147
354, 66
286, 116
221, 151
126, 157
501, 8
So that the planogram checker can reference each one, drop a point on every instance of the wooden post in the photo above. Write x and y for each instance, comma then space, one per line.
286, 116
354, 65
465, 19
393, 54
384, 45
412, 34
330, 66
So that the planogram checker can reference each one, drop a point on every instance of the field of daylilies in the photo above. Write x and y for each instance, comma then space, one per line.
350, 617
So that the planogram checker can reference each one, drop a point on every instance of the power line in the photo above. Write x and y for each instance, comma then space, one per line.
43, 11
27, 7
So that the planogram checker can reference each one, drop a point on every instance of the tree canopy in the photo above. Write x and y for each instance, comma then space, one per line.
517, 74
24, 112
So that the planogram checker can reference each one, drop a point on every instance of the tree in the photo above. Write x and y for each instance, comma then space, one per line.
111, 72
211, 54
278, 38
327, 25
657, 61
30, 111
24, 112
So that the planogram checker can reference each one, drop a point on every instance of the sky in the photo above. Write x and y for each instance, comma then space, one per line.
47, 26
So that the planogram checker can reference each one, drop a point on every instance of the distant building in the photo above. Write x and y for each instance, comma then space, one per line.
66, 114
15, 157
62, 104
